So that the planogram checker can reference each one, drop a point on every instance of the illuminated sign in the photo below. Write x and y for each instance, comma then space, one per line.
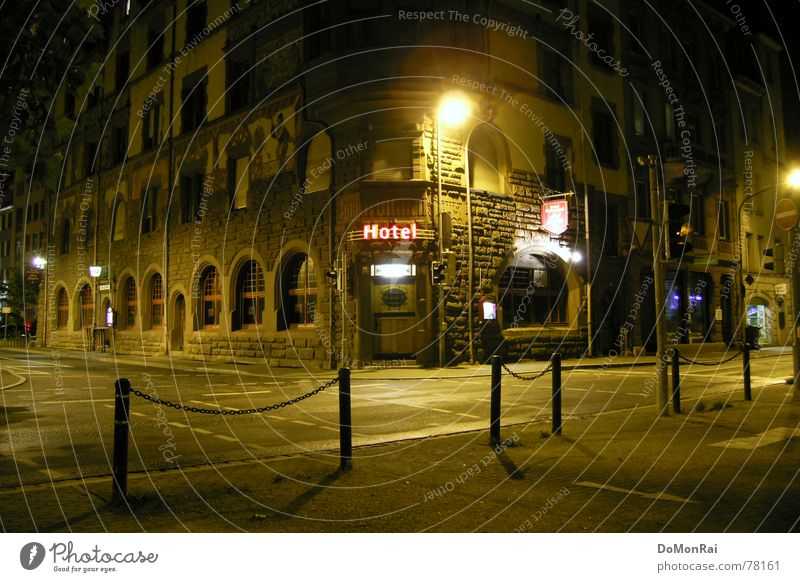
555, 216
392, 232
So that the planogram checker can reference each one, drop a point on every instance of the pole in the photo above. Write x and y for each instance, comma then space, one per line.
345, 421
439, 290
557, 424
796, 315
748, 395
471, 258
676, 381
656, 215
122, 406
589, 328
494, 408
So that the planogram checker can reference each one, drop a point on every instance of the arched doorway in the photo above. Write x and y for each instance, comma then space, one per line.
178, 324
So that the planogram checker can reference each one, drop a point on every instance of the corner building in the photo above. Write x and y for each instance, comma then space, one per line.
274, 181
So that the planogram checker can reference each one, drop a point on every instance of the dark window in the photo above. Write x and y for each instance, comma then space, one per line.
122, 69
298, 293
640, 121
151, 125
87, 306
95, 96
191, 191
642, 200
603, 28
532, 292
195, 19
557, 163
556, 74
193, 99
698, 215
149, 210
69, 104
636, 38
610, 242
119, 144
240, 78
65, 238
318, 20
211, 297
63, 309
131, 303
250, 296
155, 47
723, 221
604, 134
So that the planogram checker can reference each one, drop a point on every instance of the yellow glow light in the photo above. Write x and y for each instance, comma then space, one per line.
793, 179
454, 110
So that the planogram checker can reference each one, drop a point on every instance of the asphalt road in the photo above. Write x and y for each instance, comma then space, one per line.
58, 423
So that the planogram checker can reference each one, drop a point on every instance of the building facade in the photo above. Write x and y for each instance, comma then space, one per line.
278, 181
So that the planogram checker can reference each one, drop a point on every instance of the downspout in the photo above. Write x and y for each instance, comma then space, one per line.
170, 178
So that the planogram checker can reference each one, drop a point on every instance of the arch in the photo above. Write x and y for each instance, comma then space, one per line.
208, 296
487, 160
249, 290
85, 307
62, 308
297, 291
119, 221
128, 302
155, 305
178, 324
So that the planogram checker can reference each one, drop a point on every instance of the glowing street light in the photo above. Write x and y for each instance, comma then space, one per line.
793, 179
454, 110
39, 262
95, 271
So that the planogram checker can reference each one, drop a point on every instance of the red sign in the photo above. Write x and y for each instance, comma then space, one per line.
390, 232
555, 216
786, 214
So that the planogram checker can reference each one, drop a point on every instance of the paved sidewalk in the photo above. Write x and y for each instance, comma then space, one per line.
723, 466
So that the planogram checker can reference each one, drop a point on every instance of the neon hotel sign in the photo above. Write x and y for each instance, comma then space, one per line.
392, 232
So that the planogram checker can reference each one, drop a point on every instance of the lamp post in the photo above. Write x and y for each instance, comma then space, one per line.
454, 110
94, 272
792, 182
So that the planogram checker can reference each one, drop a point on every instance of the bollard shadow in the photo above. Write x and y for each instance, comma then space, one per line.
301, 500
510, 466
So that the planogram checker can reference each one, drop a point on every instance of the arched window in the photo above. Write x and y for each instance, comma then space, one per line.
87, 306
130, 303
484, 169
532, 292
249, 296
211, 297
63, 309
156, 302
65, 236
118, 221
298, 293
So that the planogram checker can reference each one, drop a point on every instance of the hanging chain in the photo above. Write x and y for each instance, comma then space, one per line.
725, 361
528, 378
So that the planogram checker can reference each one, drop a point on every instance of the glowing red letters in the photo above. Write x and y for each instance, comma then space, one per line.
393, 232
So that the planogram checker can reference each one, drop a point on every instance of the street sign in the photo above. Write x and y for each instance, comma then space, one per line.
786, 214
6, 310
641, 228
106, 287
781, 289
555, 216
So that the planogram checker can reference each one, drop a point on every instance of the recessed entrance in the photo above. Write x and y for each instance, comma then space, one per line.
178, 324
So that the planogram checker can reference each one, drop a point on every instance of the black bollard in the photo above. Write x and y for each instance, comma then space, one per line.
676, 381
748, 395
122, 406
556, 361
345, 421
494, 408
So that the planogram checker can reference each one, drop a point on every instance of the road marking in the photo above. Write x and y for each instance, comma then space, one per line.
225, 437
179, 425
656, 496
213, 405
201, 431
303, 422
237, 393
52, 474
467, 414
368, 385
138, 414
635, 393
578, 389
330, 429
76, 401
439, 410
607, 391
764, 439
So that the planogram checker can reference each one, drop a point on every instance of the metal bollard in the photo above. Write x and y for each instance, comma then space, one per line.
748, 395
676, 381
345, 421
122, 407
556, 360
494, 408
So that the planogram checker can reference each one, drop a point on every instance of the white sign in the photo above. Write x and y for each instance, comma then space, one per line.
781, 289
106, 287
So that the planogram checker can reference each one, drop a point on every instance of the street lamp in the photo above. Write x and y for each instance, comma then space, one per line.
454, 110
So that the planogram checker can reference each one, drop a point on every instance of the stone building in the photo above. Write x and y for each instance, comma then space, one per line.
278, 181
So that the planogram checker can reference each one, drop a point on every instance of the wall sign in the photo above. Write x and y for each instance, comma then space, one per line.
555, 216
376, 231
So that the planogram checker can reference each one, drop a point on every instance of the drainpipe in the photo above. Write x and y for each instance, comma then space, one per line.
170, 179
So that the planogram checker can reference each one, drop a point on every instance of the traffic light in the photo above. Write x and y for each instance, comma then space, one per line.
679, 230
438, 272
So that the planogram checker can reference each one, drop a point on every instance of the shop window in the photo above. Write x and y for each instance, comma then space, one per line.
532, 292
87, 306
156, 302
211, 298
484, 173
130, 303
299, 293
250, 296
118, 222
63, 309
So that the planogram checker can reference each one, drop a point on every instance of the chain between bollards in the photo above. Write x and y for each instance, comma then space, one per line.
556, 362
345, 421
746, 371
676, 381
494, 408
122, 407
